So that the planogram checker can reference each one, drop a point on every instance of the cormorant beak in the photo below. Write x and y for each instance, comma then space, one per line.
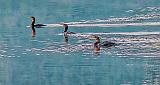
31, 17
61, 23
92, 37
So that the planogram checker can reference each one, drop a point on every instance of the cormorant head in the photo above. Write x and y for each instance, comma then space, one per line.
65, 25
96, 38
33, 18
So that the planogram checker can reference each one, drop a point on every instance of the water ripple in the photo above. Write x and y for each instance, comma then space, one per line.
146, 45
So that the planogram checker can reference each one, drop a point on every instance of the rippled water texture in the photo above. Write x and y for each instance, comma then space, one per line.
53, 59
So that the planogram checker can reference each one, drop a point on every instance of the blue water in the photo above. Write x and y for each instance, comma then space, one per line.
51, 59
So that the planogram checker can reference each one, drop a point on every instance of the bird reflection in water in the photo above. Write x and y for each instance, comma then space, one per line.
65, 39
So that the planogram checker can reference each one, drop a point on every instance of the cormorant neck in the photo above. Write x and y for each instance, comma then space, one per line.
97, 40
33, 21
65, 27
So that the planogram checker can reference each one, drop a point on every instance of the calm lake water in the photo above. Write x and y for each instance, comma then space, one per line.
52, 59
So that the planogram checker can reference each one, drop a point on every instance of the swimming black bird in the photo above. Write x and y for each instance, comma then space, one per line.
35, 25
103, 44
66, 30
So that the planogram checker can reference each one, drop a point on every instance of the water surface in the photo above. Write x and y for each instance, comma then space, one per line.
52, 59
